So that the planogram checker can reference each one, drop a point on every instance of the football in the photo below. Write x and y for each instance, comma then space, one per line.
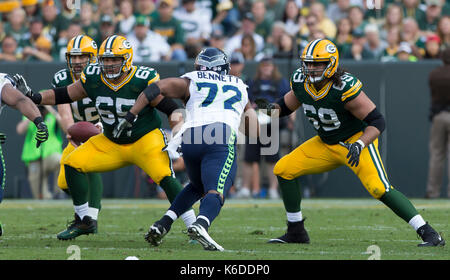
82, 131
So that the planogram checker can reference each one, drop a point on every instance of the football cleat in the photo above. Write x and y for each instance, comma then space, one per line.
155, 234
78, 227
429, 236
197, 232
296, 233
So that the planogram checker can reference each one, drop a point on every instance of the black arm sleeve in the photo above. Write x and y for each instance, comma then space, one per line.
62, 95
167, 106
152, 91
375, 119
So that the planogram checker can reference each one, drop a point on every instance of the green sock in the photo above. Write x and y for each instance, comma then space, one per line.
290, 193
95, 190
78, 184
398, 203
171, 187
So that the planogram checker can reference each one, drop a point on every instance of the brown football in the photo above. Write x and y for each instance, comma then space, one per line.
82, 131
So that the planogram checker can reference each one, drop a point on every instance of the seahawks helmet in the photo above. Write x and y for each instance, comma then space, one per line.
212, 59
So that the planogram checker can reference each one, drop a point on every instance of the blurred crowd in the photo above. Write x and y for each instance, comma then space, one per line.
162, 30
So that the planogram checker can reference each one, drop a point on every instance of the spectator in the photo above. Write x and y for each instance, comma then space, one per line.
217, 39
374, 44
432, 47
394, 18
227, 17
41, 51
428, 24
59, 51
263, 25
393, 41
356, 16
166, 25
270, 85
443, 31
106, 7
16, 26
357, 50
54, 23
43, 161
338, 10
404, 53
196, 25
144, 7
125, 19
148, 46
411, 9
90, 26
237, 61
247, 28
312, 26
275, 9
32, 9
2, 31
375, 11
67, 11
439, 83
287, 49
325, 24
248, 47
9, 50
291, 18
272, 44
107, 28
411, 34
343, 40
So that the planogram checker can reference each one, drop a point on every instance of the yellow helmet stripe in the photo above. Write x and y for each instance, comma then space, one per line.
311, 47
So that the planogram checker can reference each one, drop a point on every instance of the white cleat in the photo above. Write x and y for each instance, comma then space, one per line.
197, 232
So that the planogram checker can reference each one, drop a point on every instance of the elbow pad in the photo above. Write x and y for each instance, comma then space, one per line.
284, 110
62, 95
375, 119
167, 106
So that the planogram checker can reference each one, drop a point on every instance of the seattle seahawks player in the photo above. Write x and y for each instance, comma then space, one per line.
9, 95
215, 102
348, 125
113, 85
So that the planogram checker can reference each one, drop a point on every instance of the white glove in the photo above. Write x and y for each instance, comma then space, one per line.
174, 147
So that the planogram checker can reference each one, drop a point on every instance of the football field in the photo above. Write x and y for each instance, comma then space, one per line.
339, 229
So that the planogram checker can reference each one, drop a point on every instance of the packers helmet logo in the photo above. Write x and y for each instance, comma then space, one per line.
126, 44
330, 48
93, 44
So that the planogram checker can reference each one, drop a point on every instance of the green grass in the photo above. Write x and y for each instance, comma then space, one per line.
339, 229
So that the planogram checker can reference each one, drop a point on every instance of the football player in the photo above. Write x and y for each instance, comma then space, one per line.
81, 52
215, 102
113, 85
348, 125
10, 96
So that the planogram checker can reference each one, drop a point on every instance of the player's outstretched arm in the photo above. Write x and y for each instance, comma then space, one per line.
15, 99
283, 107
251, 121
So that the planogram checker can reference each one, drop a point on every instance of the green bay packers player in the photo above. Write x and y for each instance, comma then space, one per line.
113, 85
348, 125
81, 51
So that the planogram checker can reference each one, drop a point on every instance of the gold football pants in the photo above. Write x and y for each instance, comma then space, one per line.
62, 183
99, 154
314, 156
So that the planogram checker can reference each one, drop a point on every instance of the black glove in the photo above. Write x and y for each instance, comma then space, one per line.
41, 133
123, 124
263, 104
354, 150
22, 86
2, 138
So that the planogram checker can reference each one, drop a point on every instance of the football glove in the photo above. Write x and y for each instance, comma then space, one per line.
174, 147
354, 151
41, 133
22, 86
124, 124
263, 104
2, 138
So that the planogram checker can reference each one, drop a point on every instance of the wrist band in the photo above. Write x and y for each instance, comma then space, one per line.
361, 143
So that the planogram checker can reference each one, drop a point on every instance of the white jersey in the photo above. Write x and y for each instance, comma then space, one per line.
4, 80
215, 98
